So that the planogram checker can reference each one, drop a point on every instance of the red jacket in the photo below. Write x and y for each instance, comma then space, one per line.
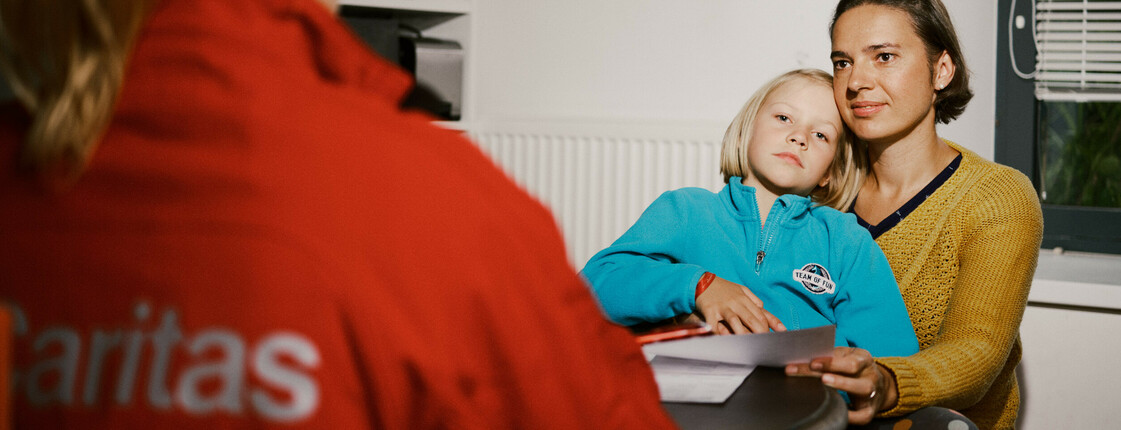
262, 239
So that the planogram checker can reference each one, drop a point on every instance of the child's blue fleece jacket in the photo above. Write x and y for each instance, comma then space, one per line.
810, 265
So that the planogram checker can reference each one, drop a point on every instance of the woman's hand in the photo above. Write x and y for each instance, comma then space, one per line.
871, 387
732, 308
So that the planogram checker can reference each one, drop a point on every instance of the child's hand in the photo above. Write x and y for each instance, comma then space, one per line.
732, 308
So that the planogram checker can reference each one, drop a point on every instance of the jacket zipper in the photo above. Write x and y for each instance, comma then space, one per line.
768, 236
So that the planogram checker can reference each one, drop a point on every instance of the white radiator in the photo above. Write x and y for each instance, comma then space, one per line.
598, 186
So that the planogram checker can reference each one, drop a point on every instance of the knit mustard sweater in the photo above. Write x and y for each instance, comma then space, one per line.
964, 260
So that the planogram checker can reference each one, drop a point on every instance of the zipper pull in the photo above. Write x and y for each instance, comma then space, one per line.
759, 257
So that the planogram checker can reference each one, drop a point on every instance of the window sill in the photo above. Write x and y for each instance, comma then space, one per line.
1075, 279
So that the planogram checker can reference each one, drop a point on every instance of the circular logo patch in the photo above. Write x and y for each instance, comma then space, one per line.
815, 279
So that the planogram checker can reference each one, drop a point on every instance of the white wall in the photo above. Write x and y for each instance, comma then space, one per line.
692, 63
976, 25
1068, 379
1067, 375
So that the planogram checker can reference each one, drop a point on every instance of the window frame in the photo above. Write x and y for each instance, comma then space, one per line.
1074, 228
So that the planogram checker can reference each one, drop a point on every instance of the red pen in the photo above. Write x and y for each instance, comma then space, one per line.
675, 331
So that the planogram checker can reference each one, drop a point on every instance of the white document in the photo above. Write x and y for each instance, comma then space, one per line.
775, 349
693, 381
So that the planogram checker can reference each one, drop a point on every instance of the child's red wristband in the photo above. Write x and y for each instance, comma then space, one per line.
703, 284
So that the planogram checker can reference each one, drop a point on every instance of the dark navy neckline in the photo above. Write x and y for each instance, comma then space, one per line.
894, 219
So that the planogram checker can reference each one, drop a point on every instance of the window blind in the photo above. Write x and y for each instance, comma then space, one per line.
1078, 45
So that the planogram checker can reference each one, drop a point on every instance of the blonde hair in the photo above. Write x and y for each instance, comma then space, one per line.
65, 62
850, 162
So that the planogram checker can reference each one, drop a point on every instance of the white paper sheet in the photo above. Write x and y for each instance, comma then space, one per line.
694, 381
764, 349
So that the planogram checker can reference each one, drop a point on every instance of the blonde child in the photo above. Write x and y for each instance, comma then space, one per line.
770, 250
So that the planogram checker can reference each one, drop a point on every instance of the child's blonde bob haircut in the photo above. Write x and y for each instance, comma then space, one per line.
846, 173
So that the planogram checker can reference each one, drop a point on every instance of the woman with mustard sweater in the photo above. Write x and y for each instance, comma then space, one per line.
961, 233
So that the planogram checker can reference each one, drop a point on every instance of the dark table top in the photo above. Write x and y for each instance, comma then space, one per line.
768, 399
